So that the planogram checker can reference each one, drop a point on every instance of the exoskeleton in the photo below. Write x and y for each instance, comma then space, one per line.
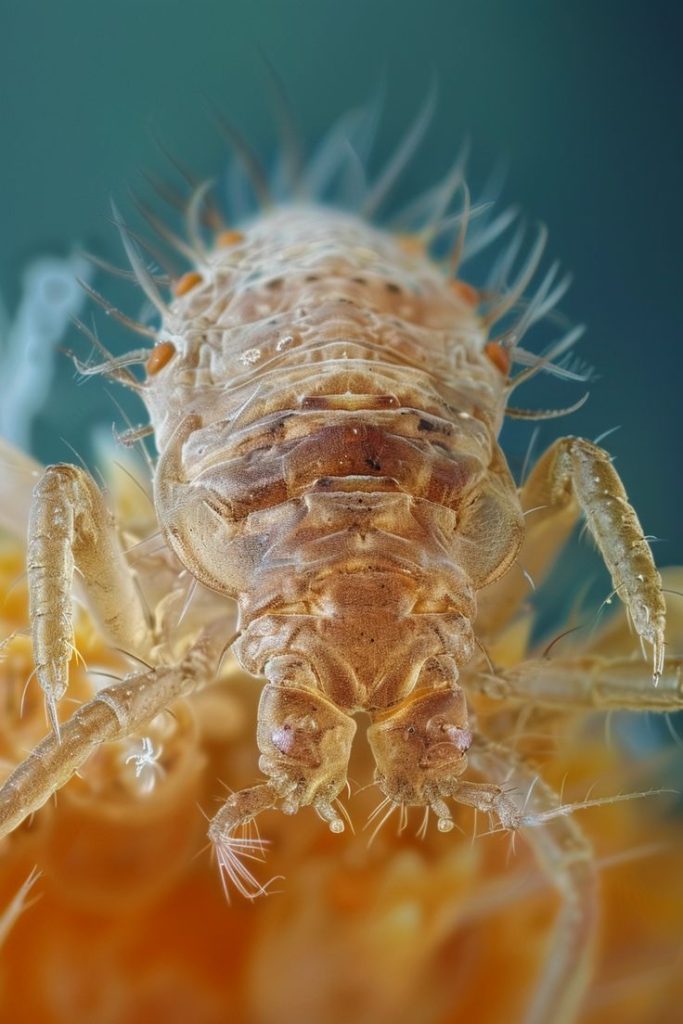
326, 402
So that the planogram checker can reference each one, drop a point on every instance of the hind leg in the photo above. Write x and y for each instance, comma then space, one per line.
422, 750
564, 855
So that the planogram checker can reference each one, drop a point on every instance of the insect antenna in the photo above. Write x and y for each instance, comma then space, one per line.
562, 810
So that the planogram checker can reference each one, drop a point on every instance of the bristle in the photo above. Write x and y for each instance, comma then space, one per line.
524, 276
144, 278
401, 157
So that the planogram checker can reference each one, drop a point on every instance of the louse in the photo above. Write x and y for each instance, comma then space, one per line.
326, 400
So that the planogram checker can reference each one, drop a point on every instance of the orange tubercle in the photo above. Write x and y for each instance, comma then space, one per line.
499, 356
412, 245
186, 283
159, 356
226, 238
467, 292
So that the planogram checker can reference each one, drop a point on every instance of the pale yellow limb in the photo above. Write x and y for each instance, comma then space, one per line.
590, 681
520, 800
576, 476
70, 526
114, 713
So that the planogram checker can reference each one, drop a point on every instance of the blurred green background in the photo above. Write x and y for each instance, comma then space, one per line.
582, 101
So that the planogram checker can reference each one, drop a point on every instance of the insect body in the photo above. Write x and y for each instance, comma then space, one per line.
326, 404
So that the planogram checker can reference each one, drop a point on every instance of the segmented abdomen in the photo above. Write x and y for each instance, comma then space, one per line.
326, 419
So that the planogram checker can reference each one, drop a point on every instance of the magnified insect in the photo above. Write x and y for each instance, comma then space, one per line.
326, 396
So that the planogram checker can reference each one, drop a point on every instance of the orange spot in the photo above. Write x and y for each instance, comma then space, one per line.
159, 356
466, 292
229, 238
187, 282
499, 356
412, 245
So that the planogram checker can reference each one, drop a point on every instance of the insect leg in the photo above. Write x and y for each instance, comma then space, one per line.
113, 714
589, 682
564, 854
574, 475
305, 743
70, 526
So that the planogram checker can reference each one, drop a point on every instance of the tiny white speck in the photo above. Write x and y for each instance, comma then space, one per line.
251, 356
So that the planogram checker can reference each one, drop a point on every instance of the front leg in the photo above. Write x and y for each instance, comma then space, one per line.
70, 526
305, 743
576, 476
114, 713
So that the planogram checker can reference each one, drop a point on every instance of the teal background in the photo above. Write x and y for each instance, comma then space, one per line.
582, 100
